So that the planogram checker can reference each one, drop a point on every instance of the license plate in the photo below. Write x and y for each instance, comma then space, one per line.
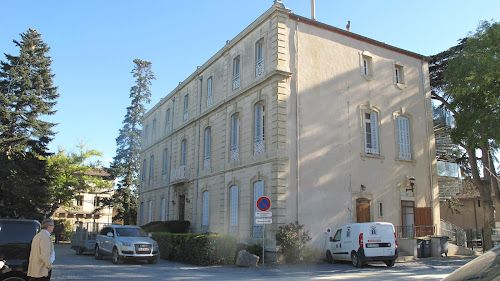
371, 245
143, 249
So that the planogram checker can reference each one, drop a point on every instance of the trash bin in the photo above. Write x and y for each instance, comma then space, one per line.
420, 248
427, 248
444, 244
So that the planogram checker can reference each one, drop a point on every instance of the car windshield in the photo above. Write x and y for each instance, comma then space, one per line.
130, 232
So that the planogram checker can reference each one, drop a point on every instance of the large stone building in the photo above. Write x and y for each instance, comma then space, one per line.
332, 126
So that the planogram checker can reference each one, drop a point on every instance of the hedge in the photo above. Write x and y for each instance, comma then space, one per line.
167, 226
196, 249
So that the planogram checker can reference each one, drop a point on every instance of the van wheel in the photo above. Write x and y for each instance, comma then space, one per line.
116, 256
390, 263
329, 258
97, 255
355, 260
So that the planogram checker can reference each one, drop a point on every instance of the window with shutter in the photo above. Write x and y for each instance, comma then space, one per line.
208, 141
233, 211
234, 138
371, 133
167, 121
404, 137
163, 209
151, 169
150, 209
186, 106
183, 153
144, 171
209, 92
236, 73
164, 167
259, 144
258, 191
206, 209
259, 58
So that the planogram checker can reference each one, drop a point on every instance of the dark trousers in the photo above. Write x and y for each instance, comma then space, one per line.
42, 278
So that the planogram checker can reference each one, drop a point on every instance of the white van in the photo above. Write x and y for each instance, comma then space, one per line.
363, 242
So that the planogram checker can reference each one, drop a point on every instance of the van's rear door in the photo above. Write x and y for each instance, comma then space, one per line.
379, 240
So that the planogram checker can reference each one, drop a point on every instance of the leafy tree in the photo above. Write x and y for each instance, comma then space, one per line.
466, 80
27, 94
73, 173
126, 164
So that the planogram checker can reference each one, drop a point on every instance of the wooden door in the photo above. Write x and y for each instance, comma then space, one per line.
182, 204
362, 210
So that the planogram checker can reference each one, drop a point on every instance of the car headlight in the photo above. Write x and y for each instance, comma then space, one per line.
126, 244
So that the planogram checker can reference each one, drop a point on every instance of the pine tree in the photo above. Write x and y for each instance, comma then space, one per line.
27, 95
126, 164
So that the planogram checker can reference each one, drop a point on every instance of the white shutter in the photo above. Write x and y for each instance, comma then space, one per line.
404, 138
233, 214
258, 191
374, 128
206, 208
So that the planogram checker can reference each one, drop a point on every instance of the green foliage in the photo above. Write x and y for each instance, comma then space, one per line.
452, 204
27, 95
291, 239
62, 230
196, 249
167, 226
73, 173
255, 249
126, 163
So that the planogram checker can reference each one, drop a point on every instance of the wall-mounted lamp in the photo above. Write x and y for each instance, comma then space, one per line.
173, 202
412, 184
187, 200
363, 188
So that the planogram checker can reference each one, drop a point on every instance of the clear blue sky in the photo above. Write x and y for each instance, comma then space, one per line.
93, 44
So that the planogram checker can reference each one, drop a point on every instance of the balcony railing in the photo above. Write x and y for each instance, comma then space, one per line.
206, 163
259, 68
258, 147
236, 82
180, 174
235, 154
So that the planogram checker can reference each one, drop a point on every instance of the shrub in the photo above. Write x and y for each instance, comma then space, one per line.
197, 249
255, 249
291, 239
167, 226
62, 230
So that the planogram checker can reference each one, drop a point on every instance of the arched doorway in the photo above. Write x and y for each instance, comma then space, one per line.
362, 210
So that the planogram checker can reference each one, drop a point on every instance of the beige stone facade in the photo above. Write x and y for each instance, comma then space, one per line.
328, 124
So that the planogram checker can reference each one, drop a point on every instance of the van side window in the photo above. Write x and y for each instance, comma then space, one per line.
337, 235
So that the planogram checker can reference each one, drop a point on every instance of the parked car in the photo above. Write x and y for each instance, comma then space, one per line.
126, 242
363, 242
15, 244
485, 267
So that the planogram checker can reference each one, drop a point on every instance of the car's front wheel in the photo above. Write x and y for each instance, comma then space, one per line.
390, 263
116, 256
97, 254
14, 278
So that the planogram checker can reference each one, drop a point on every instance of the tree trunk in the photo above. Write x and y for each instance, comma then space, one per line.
484, 188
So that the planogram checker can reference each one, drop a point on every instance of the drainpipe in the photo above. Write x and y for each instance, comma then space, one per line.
297, 116
170, 160
197, 160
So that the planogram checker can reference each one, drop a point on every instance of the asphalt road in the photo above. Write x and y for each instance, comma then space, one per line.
69, 266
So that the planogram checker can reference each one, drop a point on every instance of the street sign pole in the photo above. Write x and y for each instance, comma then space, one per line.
263, 244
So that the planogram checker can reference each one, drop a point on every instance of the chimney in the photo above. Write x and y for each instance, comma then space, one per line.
313, 10
348, 26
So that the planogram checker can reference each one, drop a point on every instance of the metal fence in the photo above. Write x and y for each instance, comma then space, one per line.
456, 235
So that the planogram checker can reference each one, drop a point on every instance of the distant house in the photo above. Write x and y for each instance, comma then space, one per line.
82, 212
331, 126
